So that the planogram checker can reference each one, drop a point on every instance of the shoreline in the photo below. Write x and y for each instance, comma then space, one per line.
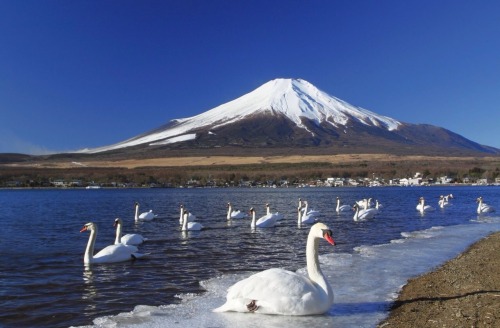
463, 292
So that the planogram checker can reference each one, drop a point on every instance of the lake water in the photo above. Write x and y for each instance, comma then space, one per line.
45, 284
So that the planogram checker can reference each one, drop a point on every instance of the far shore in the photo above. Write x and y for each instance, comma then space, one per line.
242, 160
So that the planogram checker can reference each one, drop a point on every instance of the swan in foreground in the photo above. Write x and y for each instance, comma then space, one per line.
190, 226
145, 216
128, 239
341, 208
237, 214
109, 254
191, 217
483, 207
305, 216
267, 221
361, 214
422, 207
278, 291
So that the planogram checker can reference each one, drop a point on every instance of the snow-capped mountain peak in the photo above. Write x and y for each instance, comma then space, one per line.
295, 99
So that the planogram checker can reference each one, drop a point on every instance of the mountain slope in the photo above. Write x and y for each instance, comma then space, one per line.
292, 113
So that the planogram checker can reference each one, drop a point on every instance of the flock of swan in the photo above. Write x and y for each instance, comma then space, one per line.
273, 291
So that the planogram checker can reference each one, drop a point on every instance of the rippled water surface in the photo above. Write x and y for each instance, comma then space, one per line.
44, 282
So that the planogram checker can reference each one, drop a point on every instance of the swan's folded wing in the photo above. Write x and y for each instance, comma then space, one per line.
275, 291
115, 253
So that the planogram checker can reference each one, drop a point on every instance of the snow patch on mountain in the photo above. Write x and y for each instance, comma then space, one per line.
294, 98
185, 137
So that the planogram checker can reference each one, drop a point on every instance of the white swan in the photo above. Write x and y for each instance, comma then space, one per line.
191, 217
145, 216
448, 197
190, 226
234, 214
277, 291
308, 211
442, 202
278, 215
109, 254
307, 217
363, 214
267, 221
364, 203
128, 239
422, 207
483, 207
341, 208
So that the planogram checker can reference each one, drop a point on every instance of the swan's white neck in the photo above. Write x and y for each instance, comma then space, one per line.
184, 221
299, 215
137, 212
313, 269
253, 224
118, 233
356, 215
338, 205
268, 209
89, 251
479, 205
229, 210
181, 217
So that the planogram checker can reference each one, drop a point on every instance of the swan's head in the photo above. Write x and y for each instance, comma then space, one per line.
117, 222
321, 230
136, 204
479, 199
89, 226
251, 210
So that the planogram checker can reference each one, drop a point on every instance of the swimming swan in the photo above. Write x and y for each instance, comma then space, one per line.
267, 221
109, 254
145, 216
483, 207
190, 226
128, 239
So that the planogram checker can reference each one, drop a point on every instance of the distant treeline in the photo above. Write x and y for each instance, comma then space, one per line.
234, 175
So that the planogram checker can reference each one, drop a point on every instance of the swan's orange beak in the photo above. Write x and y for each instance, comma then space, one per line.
330, 239
84, 229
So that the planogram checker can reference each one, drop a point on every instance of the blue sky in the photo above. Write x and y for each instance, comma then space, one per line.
77, 74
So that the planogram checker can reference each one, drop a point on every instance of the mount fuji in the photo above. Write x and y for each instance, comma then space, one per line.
292, 115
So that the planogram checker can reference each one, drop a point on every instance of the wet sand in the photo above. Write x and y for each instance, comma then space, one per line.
463, 292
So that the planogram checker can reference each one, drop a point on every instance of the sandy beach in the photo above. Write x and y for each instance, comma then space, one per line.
463, 292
